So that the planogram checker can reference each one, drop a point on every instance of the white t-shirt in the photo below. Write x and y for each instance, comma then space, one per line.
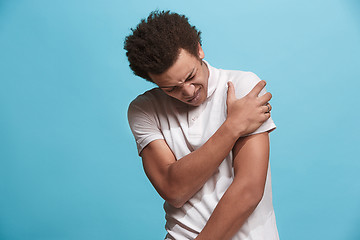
154, 115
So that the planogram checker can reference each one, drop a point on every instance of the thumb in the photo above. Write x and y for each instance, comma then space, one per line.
230, 92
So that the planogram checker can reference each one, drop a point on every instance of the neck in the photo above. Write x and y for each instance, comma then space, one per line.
205, 69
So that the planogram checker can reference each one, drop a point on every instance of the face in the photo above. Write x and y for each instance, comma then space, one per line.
186, 80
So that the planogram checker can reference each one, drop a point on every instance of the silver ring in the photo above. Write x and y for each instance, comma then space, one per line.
267, 104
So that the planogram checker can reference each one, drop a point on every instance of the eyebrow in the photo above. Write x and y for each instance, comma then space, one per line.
187, 78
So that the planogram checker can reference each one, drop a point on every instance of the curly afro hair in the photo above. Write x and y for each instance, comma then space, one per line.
154, 44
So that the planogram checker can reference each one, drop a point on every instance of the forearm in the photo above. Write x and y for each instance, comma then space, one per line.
188, 174
234, 208
251, 158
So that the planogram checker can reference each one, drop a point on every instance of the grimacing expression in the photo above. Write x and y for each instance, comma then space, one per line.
186, 80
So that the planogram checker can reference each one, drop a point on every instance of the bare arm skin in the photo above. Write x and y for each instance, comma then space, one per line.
178, 180
251, 157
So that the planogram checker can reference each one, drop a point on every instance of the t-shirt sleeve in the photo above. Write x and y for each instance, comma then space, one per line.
143, 122
242, 88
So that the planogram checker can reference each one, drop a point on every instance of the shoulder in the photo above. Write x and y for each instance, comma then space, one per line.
146, 98
153, 104
241, 77
243, 81
238, 77
147, 101
143, 106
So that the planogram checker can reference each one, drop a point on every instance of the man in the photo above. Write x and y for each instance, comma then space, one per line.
202, 135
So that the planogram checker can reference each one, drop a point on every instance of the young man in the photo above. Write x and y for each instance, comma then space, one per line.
202, 135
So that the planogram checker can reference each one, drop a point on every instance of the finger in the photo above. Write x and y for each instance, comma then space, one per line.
267, 115
257, 89
231, 92
265, 109
265, 98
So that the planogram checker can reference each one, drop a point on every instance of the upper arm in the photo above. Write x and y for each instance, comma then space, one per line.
144, 122
156, 158
154, 151
251, 159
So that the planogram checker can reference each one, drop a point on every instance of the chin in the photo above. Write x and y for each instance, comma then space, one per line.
195, 104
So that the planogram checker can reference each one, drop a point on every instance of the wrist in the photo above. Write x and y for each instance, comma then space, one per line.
235, 129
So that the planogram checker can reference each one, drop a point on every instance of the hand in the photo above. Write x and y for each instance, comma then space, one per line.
246, 114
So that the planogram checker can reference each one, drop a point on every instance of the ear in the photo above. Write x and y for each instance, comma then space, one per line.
201, 53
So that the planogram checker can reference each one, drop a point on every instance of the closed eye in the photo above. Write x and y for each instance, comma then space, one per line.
171, 89
190, 78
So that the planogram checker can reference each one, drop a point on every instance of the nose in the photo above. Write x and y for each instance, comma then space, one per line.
188, 90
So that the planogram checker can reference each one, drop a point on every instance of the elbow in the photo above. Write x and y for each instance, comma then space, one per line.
257, 195
174, 197
176, 203
251, 196
254, 196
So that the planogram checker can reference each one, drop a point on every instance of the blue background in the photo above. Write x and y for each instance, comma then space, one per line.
68, 162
